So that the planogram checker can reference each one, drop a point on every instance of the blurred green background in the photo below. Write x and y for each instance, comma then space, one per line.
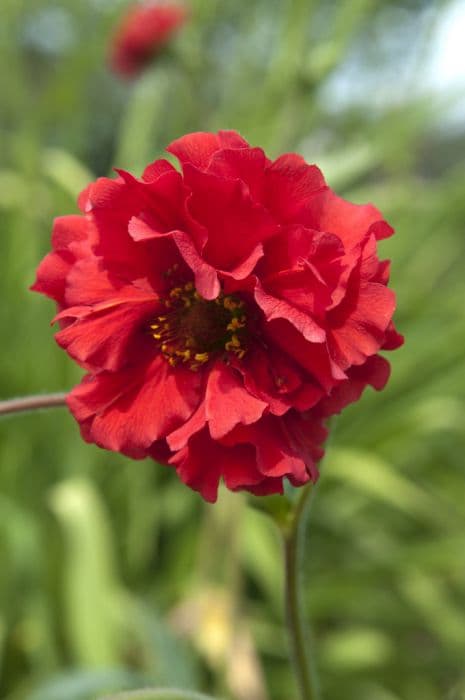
112, 574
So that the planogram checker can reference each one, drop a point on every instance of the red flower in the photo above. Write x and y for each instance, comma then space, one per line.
142, 33
222, 314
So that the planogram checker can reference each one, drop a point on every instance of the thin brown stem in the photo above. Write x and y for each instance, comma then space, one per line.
31, 403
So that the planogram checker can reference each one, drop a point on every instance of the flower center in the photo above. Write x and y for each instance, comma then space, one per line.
192, 329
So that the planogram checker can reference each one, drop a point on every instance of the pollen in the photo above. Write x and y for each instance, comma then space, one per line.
192, 330
201, 357
236, 323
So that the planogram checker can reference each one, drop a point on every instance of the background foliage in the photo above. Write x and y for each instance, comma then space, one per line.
112, 574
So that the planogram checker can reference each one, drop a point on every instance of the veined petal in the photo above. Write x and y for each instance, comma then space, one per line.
228, 403
129, 410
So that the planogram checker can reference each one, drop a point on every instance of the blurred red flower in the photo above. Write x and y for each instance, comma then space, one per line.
222, 313
142, 33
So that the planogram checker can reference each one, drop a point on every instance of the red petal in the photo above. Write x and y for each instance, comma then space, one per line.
313, 357
196, 148
305, 268
159, 167
127, 411
235, 224
375, 371
228, 403
206, 277
88, 282
112, 203
351, 222
51, 275
198, 465
142, 33
359, 324
204, 462
231, 139
272, 377
108, 335
246, 164
307, 435
68, 230
179, 438
275, 455
70, 240
290, 184
392, 339
274, 308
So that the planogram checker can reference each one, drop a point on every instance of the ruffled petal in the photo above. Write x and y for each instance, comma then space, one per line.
313, 357
199, 465
359, 324
236, 225
198, 148
227, 401
108, 335
127, 411
70, 241
392, 339
290, 185
351, 222
244, 164
306, 268
275, 455
274, 308
375, 372
307, 434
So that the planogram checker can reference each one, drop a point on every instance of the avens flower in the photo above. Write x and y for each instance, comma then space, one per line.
221, 313
142, 33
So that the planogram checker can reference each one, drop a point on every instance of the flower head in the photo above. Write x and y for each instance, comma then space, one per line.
142, 34
222, 313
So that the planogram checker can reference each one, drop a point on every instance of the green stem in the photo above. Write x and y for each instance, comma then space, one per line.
31, 403
300, 639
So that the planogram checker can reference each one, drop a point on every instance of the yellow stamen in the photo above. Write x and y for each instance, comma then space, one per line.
184, 354
233, 343
192, 329
235, 324
201, 357
229, 304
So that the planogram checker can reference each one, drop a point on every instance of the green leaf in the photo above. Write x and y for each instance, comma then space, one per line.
84, 685
159, 694
93, 597
375, 477
66, 170
169, 659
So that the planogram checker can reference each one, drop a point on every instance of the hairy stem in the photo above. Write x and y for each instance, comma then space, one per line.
300, 639
31, 403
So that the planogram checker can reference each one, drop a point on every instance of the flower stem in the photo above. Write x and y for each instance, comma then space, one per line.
300, 639
31, 403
